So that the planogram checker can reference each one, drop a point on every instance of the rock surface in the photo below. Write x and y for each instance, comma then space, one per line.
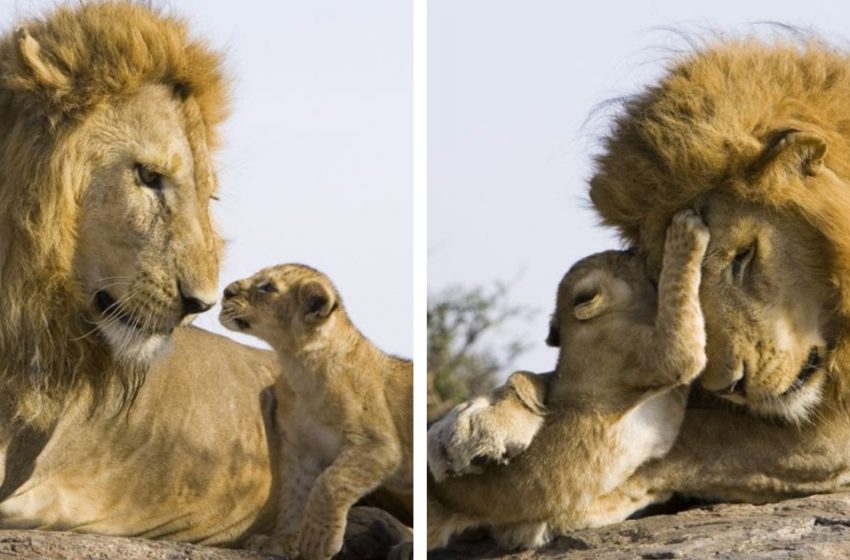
370, 535
807, 528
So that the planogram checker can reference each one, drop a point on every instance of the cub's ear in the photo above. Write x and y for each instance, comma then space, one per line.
316, 301
553, 339
796, 149
587, 305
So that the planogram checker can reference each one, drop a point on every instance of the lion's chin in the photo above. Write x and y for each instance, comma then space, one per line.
795, 406
130, 345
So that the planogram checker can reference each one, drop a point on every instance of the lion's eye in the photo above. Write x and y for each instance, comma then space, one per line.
741, 260
266, 288
148, 178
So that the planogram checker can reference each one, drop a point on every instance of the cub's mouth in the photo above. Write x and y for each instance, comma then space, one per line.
230, 318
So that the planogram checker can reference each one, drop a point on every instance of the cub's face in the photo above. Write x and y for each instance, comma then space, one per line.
598, 299
284, 305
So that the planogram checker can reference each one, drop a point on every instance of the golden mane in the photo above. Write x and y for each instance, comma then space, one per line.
52, 73
710, 122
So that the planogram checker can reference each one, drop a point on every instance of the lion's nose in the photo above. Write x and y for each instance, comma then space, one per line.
739, 382
192, 305
738, 387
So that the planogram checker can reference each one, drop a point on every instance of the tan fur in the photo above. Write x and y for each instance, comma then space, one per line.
611, 405
755, 136
348, 425
85, 94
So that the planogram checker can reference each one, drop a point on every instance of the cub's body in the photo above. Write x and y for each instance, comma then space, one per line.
616, 400
345, 408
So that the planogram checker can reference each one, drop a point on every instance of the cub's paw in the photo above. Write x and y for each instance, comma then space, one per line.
321, 537
286, 546
520, 536
256, 542
403, 551
477, 433
687, 233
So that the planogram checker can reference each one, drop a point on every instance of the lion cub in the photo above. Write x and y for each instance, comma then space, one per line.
345, 408
616, 399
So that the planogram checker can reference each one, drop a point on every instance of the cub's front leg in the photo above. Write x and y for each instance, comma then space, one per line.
677, 350
358, 470
491, 428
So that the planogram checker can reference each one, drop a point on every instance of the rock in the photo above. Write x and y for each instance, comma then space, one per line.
806, 528
31, 545
371, 534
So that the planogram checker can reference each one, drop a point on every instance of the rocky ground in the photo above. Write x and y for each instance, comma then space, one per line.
808, 528
371, 535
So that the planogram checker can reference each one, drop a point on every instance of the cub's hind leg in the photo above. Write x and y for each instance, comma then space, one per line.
298, 472
522, 535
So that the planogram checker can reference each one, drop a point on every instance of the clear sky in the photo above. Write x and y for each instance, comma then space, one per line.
317, 160
511, 84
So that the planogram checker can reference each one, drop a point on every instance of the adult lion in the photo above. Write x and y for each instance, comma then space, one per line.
115, 418
756, 137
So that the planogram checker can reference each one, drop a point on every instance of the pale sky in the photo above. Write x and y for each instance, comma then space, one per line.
510, 84
317, 160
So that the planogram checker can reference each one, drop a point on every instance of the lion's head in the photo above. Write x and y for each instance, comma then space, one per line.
755, 137
108, 114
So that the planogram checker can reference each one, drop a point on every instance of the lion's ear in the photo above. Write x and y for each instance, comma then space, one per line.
43, 73
798, 150
316, 301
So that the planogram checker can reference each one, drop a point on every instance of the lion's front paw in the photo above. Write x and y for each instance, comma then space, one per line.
477, 433
321, 537
687, 233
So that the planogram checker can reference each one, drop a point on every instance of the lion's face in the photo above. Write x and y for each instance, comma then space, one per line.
284, 305
767, 301
147, 256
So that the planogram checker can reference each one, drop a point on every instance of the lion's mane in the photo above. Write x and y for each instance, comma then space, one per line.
53, 72
711, 123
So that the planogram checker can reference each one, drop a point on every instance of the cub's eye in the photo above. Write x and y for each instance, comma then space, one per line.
741, 260
148, 178
266, 288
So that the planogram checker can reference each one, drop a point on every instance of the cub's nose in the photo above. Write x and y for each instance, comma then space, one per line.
231, 290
